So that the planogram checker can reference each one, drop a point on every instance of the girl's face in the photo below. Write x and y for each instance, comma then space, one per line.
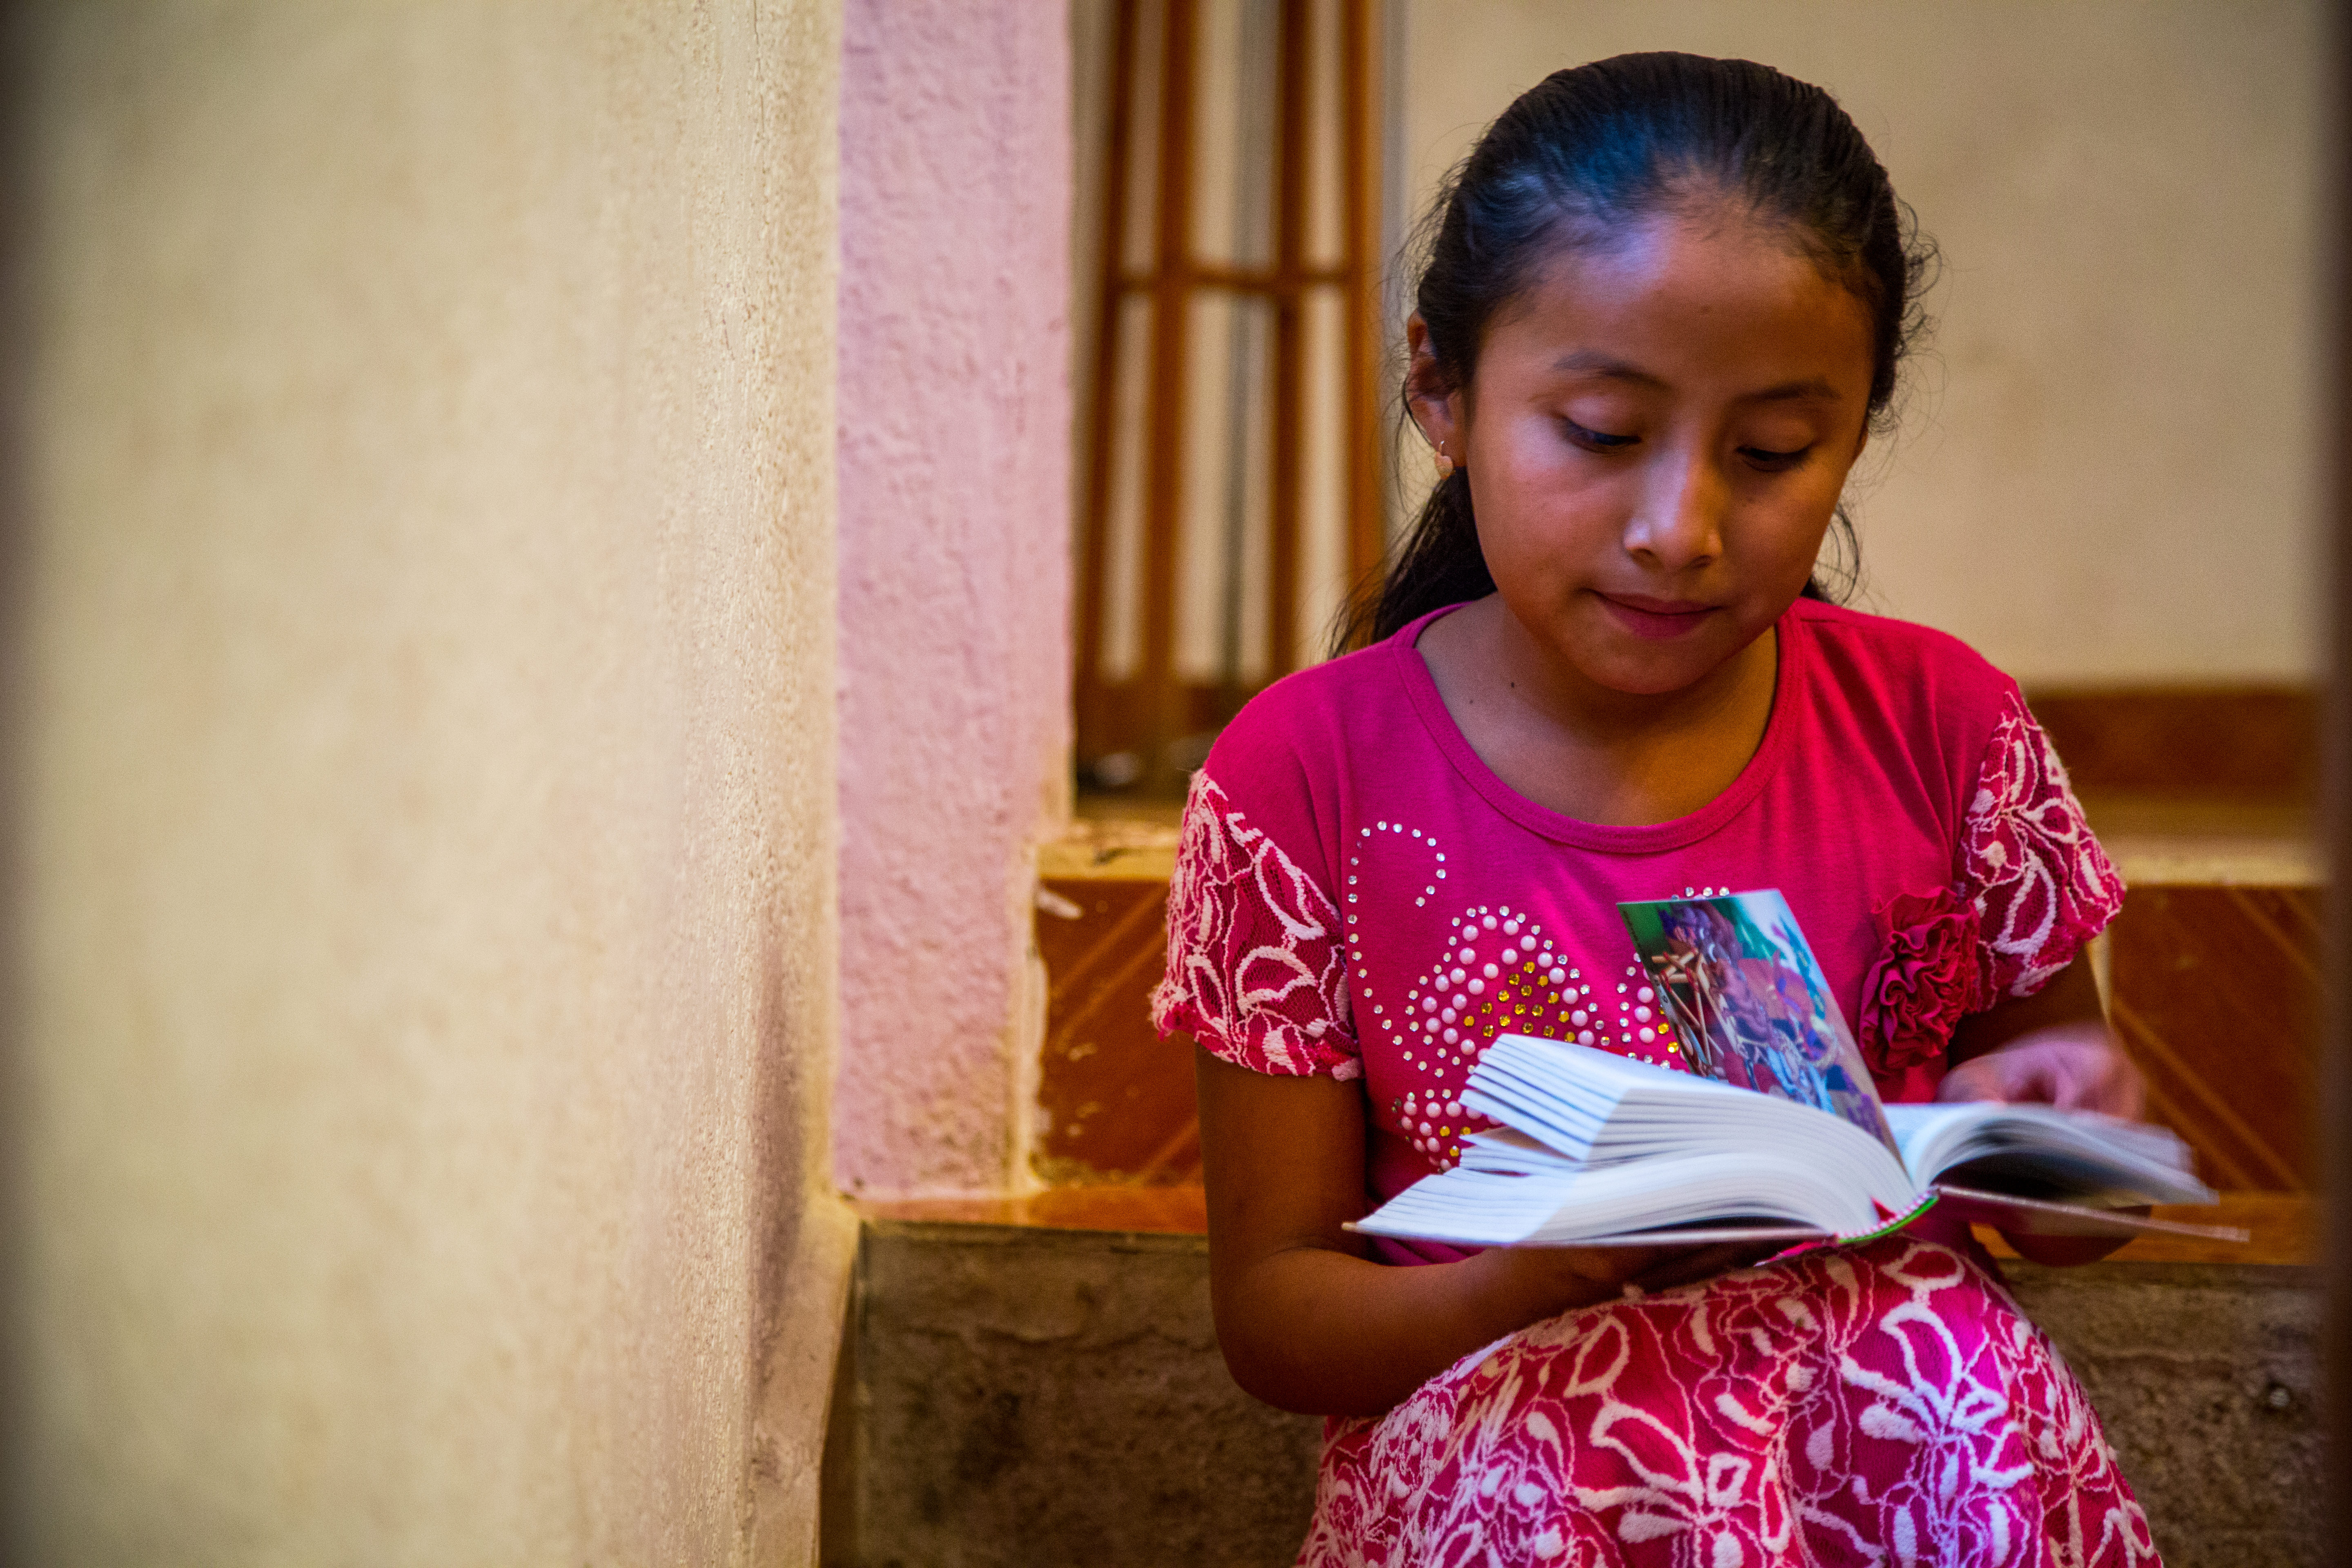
1657, 435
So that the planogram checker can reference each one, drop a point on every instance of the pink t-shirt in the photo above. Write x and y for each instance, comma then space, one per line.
1357, 894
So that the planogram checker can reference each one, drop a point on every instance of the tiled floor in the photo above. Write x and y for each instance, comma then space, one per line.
2215, 993
1114, 1100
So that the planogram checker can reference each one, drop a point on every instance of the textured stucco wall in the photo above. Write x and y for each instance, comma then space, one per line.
954, 430
423, 973
2111, 468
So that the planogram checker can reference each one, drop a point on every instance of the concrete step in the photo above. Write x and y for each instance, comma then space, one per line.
1012, 1395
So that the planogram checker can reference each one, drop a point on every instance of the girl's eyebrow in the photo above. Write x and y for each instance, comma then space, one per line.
1591, 362
1815, 388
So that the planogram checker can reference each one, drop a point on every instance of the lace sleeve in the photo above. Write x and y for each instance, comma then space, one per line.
2041, 885
1256, 964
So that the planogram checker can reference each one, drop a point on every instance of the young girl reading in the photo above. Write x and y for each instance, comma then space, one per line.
1664, 303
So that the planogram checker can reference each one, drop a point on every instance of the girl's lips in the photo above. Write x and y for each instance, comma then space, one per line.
1656, 618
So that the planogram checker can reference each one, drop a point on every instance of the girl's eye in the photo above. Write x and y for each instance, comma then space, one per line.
1774, 462
1597, 441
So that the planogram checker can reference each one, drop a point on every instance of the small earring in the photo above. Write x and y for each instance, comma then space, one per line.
1445, 464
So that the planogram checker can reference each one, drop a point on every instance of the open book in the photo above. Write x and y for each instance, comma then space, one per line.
1774, 1132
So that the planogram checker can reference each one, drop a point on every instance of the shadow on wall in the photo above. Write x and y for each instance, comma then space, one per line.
15, 509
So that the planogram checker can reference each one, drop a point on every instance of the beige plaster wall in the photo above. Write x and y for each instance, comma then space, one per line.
422, 788
955, 574
2111, 467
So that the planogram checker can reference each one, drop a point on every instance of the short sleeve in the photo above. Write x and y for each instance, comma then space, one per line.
2041, 885
1256, 960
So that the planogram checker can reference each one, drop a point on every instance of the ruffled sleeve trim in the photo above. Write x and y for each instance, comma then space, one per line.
1257, 965
2039, 882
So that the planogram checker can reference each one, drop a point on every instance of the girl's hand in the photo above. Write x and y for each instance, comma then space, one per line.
2074, 1067
2050, 1048
1544, 1281
1307, 1321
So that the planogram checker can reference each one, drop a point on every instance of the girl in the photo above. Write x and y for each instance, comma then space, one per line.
1665, 303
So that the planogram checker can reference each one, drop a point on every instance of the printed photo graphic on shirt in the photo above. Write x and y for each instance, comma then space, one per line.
1751, 1004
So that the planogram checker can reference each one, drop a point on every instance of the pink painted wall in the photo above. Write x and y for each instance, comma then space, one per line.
954, 422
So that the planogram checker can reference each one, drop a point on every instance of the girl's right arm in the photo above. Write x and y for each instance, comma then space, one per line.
1307, 1318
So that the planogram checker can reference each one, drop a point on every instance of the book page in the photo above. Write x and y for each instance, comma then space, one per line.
1748, 1002
2032, 1216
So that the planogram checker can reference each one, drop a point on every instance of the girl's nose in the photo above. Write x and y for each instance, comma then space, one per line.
1679, 522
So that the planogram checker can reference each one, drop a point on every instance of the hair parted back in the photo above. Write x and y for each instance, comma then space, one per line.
1585, 153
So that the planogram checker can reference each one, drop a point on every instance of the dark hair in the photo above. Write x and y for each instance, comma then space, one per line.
1591, 150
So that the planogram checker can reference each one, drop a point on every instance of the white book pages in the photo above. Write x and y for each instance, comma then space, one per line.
1601, 1150
2033, 1147
2032, 1216
1487, 1208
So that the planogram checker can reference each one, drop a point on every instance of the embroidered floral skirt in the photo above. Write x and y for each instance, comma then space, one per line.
1886, 1404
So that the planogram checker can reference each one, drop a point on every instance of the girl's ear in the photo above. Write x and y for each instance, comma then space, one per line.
1434, 405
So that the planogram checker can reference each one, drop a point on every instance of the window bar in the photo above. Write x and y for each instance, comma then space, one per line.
1367, 540
1156, 706
1289, 331
1094, 565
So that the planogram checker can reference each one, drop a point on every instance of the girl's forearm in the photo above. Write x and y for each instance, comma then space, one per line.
1306, 1320
1314, 1329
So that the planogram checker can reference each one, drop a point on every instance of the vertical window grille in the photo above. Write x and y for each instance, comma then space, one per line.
1230, 442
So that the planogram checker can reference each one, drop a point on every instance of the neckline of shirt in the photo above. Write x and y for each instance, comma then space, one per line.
1421, 687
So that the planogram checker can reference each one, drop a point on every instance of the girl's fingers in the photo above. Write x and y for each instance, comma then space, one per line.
2073, 1074
1607, 1268
2127, 1090
1704, 1263
2041, 1081
1978, 1078
1608, 1265
2083, 1077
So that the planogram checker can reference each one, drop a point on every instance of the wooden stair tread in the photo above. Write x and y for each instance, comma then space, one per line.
2211, 975
2149, 860
1176, 1211
2284, 1229
2284, 1225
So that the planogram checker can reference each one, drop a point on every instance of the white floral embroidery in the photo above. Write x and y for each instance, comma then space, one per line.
1885, 1403
2040, 884
1257, 967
